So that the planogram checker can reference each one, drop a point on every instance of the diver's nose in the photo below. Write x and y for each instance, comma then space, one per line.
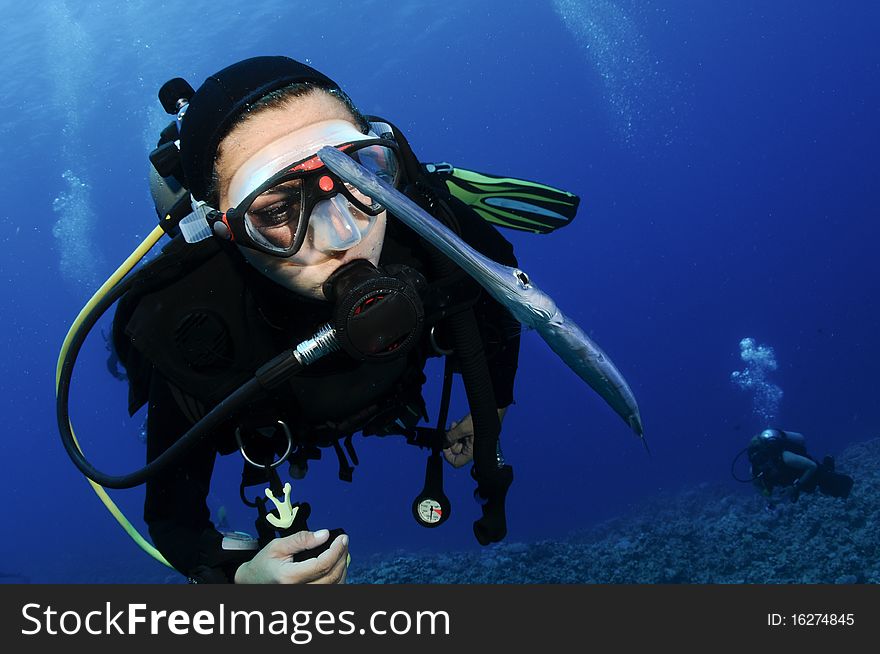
334, 227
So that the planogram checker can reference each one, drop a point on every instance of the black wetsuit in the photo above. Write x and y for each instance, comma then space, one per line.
335, 397
767, 465
770, 469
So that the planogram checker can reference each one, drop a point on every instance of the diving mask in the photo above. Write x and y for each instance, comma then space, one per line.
301, 210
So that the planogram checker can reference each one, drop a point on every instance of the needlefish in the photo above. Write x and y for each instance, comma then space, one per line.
511, 287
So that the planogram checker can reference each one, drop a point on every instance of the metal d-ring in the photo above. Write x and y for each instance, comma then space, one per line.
275, 463
437, 348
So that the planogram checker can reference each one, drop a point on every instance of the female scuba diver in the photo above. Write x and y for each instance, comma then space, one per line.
292, 310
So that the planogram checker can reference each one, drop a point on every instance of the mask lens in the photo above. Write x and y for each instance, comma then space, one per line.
380, 161
360, 197
274, 216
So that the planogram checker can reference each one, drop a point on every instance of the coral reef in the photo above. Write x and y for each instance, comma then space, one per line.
706, 534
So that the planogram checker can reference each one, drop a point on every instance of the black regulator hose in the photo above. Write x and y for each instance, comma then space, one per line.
279, 368
492, 475
377, 316
733, 466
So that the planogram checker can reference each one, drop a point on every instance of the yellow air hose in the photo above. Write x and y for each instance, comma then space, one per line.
114, 279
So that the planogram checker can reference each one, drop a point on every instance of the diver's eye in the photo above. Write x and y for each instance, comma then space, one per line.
277, 206
276, 214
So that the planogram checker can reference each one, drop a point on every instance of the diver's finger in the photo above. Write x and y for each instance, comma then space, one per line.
301, 540
312, 569
345, 572
456, 460
331, 563
459, 433
336, 574
450, 433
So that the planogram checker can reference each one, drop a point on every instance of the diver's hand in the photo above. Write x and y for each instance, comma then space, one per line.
460, 438
274, 563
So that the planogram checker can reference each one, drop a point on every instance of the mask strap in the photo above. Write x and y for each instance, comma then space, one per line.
381, 130
195, 226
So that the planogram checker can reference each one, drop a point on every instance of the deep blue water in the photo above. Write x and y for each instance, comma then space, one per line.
726, 154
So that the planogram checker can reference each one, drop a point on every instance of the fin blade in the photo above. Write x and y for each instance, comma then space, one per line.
507, 201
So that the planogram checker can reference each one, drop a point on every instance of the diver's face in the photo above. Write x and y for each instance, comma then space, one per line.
305, 272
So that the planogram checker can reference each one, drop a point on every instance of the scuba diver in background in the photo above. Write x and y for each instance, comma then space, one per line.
272, 252
780, 459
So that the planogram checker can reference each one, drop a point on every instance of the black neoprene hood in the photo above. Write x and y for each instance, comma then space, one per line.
223, 97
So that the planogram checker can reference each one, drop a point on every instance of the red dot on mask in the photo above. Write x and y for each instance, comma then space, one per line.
325, 184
